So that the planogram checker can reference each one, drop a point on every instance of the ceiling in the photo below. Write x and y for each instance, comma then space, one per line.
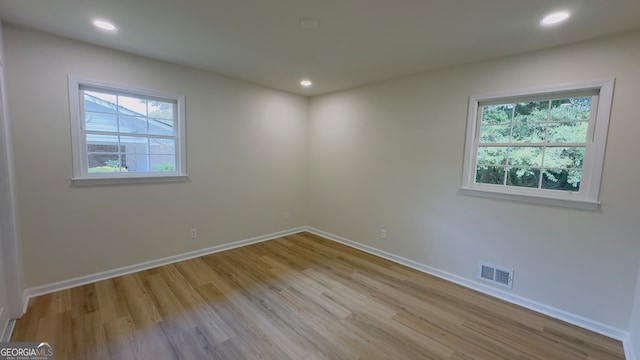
357, 42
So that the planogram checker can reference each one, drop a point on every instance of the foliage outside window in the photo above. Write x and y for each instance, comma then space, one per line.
121, 133
539, 144
535, 144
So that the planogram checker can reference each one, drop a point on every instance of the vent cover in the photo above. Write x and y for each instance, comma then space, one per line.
496, 275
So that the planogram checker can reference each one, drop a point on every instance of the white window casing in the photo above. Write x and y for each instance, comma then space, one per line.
587, 196
121, 144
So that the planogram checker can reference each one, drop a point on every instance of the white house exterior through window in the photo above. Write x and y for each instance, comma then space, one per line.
122, 133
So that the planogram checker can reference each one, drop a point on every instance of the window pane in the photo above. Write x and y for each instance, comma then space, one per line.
525, 156
564, 157
132, 106
161, 110
534, 111
523, 133
101, 157
98, 143
135, 145
490, 175
96, 121
495, 134
163, 163
568, 180
136, 162
133, 124
497, 114
492, 156
101, 163
99, 102
571, 109
161, 127
573, 132
162, 147
523, 177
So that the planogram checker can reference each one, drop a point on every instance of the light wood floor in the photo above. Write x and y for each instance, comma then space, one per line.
298, 297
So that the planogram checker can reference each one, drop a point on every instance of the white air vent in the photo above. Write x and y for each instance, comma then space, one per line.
496, 275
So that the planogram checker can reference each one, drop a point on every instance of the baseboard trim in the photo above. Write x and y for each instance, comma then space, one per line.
83, 280
568, 317
8, 331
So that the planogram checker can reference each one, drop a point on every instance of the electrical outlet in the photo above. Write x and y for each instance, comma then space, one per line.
383, 233
286, 215
194, 233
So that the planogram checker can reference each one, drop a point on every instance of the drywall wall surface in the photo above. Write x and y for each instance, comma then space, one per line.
390, 156
245, 159
4, 289
1, 44
634, 328
9, 232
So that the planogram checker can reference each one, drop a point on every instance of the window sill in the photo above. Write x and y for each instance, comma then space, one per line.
571, 203
128, 180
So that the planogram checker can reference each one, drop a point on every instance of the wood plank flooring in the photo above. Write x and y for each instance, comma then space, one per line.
297, 297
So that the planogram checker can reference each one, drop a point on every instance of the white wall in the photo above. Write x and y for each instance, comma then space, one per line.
390, 156
634, 328
10, 255
4, 291
245, 157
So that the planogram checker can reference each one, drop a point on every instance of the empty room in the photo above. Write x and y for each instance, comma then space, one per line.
320, 179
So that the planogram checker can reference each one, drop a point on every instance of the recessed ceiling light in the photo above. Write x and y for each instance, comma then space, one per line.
309, 23
555, 18
104, 25
306, 82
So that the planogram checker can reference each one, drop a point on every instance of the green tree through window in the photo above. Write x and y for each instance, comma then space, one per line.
535, 144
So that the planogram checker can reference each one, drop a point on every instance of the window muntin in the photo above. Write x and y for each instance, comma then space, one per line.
543, 145
535, 144
120, 133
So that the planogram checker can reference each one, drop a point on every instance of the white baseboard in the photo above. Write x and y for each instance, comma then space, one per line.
568, 317
8, 331
6, 325
82, 280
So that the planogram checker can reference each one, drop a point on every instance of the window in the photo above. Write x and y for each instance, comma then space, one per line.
125, 135
542, 145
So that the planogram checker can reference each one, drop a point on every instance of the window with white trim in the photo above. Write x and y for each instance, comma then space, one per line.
543, 145
120, 133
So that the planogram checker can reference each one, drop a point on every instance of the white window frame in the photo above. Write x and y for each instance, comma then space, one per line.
81, 175
588, 195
